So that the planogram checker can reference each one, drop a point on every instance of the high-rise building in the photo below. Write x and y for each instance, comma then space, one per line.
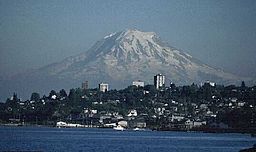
159, 81
85, 85
103, 87
138, 83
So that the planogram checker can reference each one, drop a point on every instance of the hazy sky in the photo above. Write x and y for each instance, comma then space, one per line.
35, 33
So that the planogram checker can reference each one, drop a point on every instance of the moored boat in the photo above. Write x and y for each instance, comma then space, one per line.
138, 129
119, 127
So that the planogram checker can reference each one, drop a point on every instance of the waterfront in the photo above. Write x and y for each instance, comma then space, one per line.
99, 140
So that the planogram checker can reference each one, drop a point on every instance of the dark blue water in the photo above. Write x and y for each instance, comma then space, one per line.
108, 140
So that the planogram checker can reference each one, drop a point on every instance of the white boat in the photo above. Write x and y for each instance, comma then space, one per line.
119, 127
61, 124
138, 129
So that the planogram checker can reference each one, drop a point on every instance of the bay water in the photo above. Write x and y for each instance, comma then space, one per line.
109, 140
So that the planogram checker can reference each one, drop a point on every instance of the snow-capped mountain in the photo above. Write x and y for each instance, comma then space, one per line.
130, 55
120, 58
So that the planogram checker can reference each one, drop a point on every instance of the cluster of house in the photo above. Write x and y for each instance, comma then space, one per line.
178, 120
91, 118
175, 113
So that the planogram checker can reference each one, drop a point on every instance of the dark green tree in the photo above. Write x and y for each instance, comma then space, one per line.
12, 105
35, 96
243, 84
151, 88
53, 92
63, 93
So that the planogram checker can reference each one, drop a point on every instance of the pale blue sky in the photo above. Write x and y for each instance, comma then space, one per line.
35, 33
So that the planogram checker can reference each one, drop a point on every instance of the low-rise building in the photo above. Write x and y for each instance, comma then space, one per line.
103, 87
138, 83
132, 113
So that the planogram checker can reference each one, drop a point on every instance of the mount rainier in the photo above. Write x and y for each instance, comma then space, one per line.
119, 59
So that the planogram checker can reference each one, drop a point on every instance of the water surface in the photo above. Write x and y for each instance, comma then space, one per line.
108, 140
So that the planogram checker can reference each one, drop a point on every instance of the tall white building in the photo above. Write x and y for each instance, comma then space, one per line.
159, 81
138, 83
103, 87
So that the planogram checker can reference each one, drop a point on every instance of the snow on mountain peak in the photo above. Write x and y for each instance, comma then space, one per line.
132, 45
133, 33
130, 34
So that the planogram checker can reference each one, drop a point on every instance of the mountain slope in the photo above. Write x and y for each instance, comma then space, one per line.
133, 54
120, 58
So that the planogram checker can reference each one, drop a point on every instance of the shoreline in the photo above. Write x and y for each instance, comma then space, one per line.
251, 132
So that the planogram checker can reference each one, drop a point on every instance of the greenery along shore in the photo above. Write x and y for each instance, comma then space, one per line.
191, 107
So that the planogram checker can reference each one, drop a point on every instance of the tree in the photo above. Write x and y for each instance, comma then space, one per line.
242, 84
63, 93
52, 93
151, 88
15, 97
72, 95
12, 104
35, 96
